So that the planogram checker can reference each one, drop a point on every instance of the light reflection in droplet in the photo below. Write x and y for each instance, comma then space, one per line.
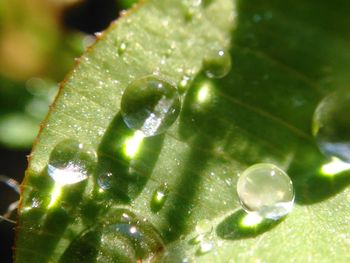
70, 174
150, 105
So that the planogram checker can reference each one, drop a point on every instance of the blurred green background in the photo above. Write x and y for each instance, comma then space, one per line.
39, 41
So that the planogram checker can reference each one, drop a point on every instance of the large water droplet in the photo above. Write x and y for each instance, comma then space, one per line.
71, 162
218, 65
150, 105
159, 197
123, 237
331, 125
266, 190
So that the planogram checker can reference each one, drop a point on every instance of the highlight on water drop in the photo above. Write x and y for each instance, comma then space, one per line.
150, 105
104, 180
331, 125
71, 162
217, 65
159, 197
266, 190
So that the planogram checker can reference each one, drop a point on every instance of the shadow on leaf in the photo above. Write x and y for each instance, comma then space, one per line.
238, 226
125, 160
311, 183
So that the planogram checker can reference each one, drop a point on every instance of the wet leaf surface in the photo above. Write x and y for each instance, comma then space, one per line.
286, 56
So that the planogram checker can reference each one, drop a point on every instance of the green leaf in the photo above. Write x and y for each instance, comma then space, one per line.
286, 56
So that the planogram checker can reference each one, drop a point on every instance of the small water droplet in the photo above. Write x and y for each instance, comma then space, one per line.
266, 190
71, 162
104, 180
150, 105
121, 48
218, 65
331, 125
159, 197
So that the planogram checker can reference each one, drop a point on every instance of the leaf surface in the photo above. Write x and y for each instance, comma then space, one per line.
286, 56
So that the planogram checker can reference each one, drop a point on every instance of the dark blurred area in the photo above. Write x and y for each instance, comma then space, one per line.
39, 40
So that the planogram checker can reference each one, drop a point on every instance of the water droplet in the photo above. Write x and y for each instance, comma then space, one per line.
150, 105
159, 197
71, 162
104, 180
123, 237
121, 48
331, 125
266, 190
218, 65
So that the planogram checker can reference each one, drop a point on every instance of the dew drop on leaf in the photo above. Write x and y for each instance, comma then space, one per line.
150, 105
71, 162
266, 190
331, 125
218, 65
159, 197
104, 180
121, 48
124, 237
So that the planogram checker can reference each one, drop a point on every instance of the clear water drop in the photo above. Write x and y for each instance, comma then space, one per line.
104, 180
123, 237
150, 105
71, 162
331, 125
159, 197
266, 190
217, 65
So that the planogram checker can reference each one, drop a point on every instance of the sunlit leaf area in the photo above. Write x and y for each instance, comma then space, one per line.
174, 131
40, 41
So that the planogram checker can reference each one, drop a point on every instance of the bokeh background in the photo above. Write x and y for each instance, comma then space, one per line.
39, 41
